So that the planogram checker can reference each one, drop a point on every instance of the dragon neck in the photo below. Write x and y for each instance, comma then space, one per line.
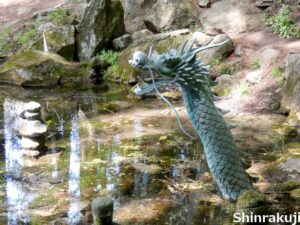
222, 156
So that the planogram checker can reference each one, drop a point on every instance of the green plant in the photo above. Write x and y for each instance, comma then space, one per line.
109, 56
283, 24
277, 72
242, 89
216, 61
6, 44
26, 36
255, 64
60, 16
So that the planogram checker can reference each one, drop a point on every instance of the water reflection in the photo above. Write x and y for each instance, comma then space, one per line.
18, 198
74, 173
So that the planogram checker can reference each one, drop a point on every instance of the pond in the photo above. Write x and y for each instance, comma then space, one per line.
103, 141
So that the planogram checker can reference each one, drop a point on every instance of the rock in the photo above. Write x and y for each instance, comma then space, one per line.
32, 116
268, 56
252, 202
225, 83
218, 52
28, 143
295, 194
141, 34
167, 15
254, 77
134, 13
31, 129
201, 38
60, 39
204, 3
243, 51
263, 4
122, 42
99, 27
102, 209
40, 69
32, 107
244, 16
287, 186
30, 153
290, 101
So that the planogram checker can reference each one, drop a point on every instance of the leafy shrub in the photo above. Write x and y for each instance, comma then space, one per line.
283, 24
109, 56
6, 44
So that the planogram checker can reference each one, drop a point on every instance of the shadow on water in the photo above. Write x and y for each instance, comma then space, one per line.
154, 177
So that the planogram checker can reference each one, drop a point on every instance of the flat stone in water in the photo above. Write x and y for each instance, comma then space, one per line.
31, 128
32, 106
28, 143
32, 116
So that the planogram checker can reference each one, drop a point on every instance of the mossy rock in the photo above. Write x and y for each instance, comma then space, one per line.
252, 202
161, 42
60, 39
295, 194
40, 69
287, 186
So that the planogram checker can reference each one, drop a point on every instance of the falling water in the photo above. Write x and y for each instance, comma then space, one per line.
74, 173
45, 46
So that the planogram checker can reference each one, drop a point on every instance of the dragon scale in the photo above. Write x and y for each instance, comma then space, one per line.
184, 69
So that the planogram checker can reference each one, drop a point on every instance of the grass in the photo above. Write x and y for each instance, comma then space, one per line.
216, 61
277, 71
242, 89
5, 41
60, 16
255, 64
283, 23
25, 37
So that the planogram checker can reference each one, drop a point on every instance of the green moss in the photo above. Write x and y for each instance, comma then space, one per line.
295, 194
242, 89
287, 186
255, 64
277, 72
26, 36
216, 60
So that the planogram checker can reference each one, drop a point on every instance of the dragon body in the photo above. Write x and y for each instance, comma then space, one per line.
183, 68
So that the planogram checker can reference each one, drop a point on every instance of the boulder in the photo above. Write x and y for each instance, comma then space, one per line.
141, 34
60, 39
31, 129
102, 22
268, 56
40, 69
167, 15
225, 84
244, 16
204, 3
134, 13
254, 77
263, 4
290, 100
219, 52
122, 42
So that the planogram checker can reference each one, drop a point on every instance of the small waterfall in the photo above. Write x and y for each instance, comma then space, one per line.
45, 46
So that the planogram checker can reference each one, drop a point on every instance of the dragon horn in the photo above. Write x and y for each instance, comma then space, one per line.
210, 46
182, 48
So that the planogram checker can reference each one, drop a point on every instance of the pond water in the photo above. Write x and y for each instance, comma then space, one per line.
105, 142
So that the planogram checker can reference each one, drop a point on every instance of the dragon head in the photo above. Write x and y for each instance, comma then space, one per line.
180, 67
